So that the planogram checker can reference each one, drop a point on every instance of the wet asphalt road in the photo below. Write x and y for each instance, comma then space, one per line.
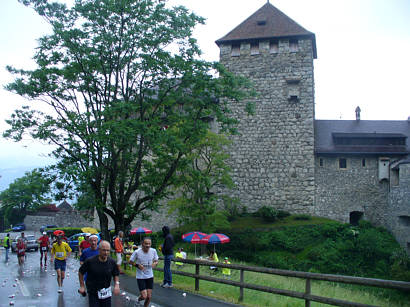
32, 285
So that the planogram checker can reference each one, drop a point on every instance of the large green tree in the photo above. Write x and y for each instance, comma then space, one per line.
126, 97
24, 194
197, 185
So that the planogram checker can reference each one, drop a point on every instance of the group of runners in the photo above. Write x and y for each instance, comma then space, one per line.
97, 268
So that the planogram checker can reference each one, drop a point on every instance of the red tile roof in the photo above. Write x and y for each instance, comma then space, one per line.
267, 22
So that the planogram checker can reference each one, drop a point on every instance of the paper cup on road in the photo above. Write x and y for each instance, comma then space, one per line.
184, 294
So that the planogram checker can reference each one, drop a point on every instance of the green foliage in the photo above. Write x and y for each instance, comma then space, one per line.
205, 170
400, 269
269, 214
128, 97
302, 217
24, 194
331, 247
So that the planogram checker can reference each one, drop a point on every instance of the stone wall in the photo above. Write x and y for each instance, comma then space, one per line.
356, 188
272, 157
61, 219
398, 221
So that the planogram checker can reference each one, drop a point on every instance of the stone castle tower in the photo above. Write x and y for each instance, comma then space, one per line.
272, 157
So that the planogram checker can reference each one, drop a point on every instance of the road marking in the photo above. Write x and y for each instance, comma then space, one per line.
23, 288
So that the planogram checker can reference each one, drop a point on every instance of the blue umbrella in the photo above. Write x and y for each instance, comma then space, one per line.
193, 237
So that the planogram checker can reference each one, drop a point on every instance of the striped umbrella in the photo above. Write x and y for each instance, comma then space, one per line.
193, 237
140, 230
215, 238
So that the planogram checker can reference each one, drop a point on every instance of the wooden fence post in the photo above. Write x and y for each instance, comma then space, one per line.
307, 291
196, 278
241, 288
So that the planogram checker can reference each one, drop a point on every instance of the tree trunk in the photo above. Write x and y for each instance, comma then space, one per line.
105, 234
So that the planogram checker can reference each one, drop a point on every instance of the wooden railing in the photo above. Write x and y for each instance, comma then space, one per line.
307, 295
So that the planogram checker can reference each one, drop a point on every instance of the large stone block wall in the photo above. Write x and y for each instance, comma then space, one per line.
272, 157
61, 219
356, 188
398, 221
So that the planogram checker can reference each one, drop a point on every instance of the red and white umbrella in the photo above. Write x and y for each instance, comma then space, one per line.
140, 230
215, 238
193, 237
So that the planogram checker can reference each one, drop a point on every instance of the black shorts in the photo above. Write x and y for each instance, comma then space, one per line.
144, 284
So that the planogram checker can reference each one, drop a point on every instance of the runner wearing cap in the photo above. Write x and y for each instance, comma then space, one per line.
84, 244
44, 243
60, 251
91, 251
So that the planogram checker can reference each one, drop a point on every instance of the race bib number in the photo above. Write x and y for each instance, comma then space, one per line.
104, 293
44, 248
60, 254
21, 251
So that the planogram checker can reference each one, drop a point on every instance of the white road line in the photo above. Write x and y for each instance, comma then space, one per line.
23, 288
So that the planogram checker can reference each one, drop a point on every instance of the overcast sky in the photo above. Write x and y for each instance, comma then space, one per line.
363, 55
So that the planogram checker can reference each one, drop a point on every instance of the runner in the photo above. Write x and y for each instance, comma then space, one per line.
44, 243
25, 244
100, 269
119, 250
21, 250
145, 259
61, 251
84, 244
91, 251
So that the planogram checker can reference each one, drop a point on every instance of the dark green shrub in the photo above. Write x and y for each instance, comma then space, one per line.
302, 217
282, 214
400, 269
268, 214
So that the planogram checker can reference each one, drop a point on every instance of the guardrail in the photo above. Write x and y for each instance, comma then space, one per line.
307, 296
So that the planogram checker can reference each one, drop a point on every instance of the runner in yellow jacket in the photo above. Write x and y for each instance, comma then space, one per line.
60, 251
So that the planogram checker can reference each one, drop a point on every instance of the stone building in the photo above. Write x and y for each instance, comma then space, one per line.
285, 158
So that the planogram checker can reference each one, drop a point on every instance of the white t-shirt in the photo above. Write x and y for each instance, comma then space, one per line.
146, 259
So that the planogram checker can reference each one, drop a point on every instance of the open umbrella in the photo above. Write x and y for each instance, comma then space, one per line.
215, 238
89, 230
193, 237
58, 233
140, 230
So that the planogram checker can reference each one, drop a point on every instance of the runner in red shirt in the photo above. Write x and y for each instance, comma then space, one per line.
21, 250
44, 243
84, 244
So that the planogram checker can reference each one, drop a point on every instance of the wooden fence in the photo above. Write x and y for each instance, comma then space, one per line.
307, 295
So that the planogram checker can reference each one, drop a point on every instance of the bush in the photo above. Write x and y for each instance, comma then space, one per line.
268, 214
302, 217
282, 214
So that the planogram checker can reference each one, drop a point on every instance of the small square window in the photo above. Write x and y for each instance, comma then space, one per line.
320, 162
364, 162
255, 48
293, 46
274, 47
342, 163
236, 50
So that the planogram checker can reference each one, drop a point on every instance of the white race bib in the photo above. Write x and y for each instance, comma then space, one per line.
60, 254
104, 293
44, 248
21, 251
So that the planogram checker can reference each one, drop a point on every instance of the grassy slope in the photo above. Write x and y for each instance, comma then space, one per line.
254, 298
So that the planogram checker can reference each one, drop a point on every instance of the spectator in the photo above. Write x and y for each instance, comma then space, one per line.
6, 245
213, 257
226, 272
168, 252
178, 255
